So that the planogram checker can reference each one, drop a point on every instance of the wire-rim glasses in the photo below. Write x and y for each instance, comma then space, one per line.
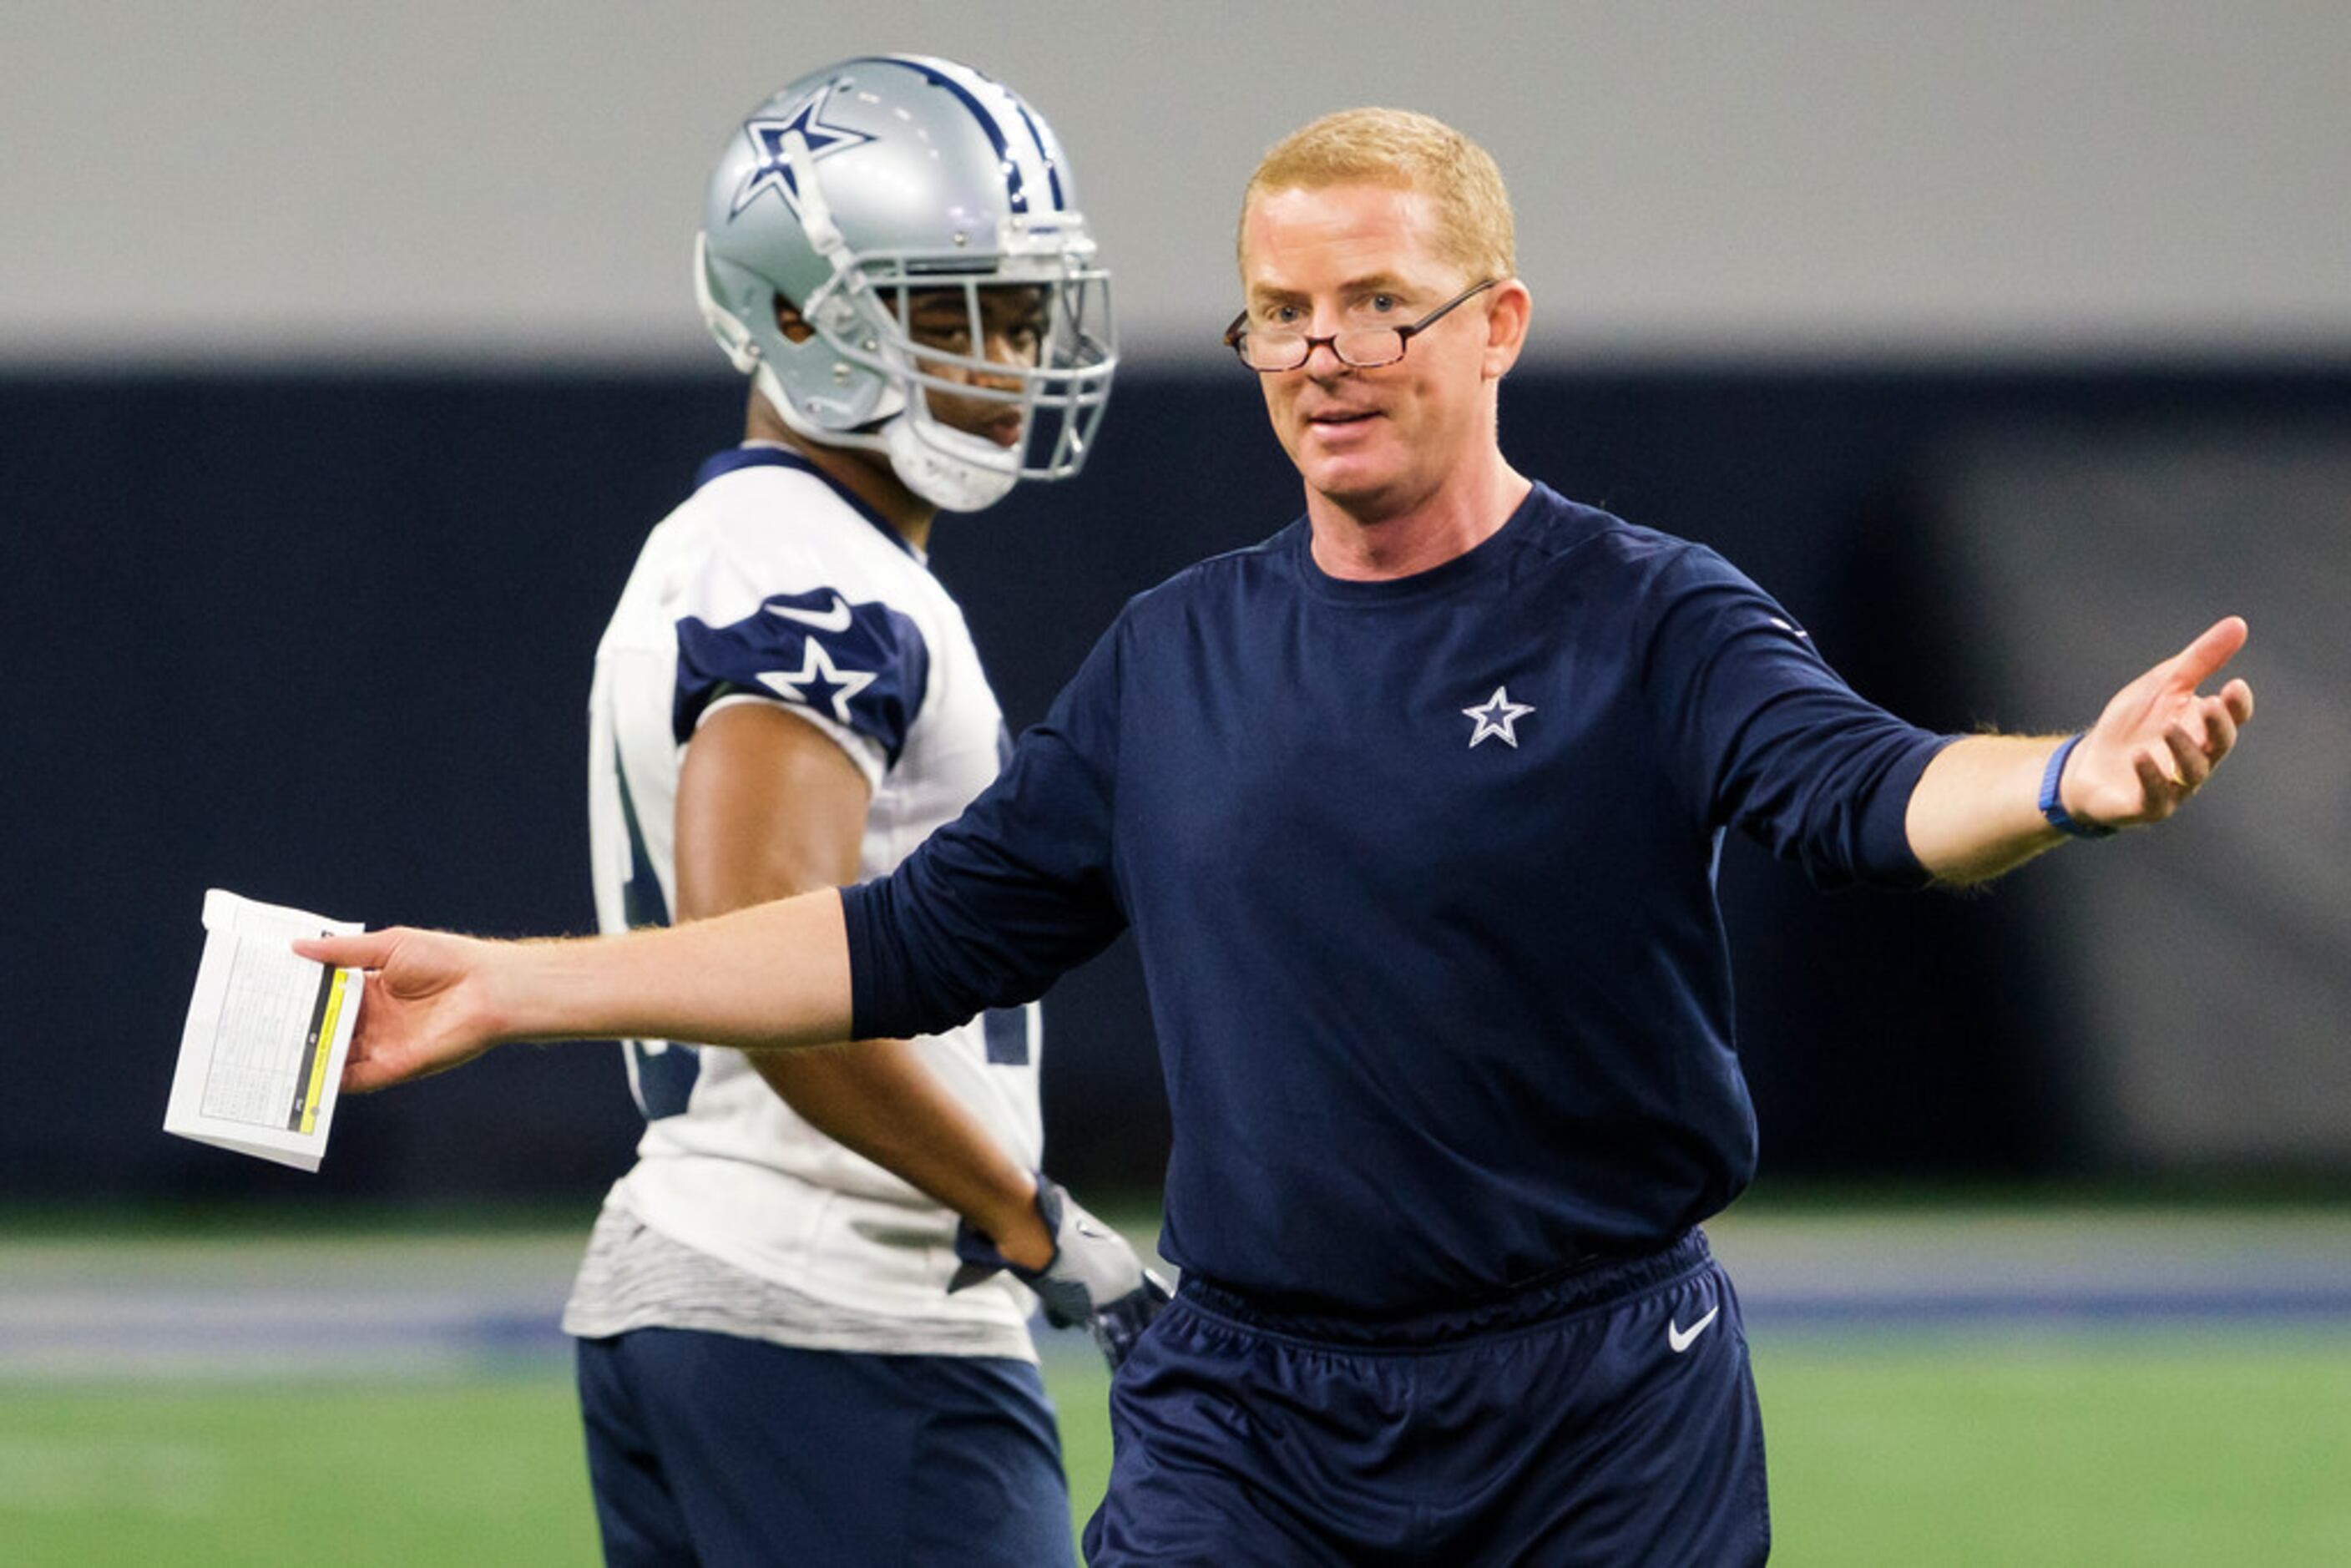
1363, 348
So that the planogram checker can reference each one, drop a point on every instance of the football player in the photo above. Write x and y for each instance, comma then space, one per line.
772, 1364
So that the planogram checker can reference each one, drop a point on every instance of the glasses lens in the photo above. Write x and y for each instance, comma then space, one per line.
1365, 349
1370, 346
1272, 351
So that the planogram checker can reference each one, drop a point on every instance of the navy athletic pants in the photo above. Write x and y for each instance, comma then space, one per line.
1606, 1417
705, 1449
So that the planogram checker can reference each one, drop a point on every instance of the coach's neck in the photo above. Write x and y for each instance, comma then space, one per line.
1367, 539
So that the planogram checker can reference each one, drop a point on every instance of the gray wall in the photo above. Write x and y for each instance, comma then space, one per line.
458, 179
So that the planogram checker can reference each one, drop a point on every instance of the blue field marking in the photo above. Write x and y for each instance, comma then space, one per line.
163, 1332
167, 1332
2026, 1268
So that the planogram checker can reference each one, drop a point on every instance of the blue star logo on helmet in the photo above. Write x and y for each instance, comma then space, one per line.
773, 171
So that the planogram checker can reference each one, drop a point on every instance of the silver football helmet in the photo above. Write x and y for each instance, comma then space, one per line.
865, 186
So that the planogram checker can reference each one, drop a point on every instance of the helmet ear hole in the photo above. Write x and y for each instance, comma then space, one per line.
790, 323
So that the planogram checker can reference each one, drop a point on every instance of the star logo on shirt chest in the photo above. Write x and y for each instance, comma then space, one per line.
1496, 717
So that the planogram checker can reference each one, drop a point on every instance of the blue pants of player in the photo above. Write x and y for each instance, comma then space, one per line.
1605, 1417
706, 1449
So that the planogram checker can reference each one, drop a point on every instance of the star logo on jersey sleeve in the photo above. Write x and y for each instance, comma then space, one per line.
1498, 715
774, 171
818, 682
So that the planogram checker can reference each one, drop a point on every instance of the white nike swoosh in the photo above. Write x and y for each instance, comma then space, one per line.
1680, 1339
833, 620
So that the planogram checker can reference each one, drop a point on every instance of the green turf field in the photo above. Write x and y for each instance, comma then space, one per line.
2081, 1449
2213, 1442
2078, 1449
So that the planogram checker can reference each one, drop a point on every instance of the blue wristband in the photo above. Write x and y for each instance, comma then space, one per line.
2050, 806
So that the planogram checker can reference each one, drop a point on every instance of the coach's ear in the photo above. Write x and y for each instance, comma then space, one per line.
1507, 312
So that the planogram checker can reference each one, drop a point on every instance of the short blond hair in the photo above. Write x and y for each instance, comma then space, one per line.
1409, 152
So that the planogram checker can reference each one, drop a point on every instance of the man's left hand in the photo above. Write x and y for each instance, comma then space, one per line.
2159, 739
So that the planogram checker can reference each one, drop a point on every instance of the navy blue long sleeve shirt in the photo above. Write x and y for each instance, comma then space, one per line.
1422, 876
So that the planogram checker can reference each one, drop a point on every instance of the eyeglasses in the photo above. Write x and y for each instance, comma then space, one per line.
1364, 347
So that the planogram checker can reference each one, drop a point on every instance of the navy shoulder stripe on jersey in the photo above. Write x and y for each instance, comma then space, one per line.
863, 666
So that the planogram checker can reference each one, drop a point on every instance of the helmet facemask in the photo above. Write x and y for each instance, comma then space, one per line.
935, 332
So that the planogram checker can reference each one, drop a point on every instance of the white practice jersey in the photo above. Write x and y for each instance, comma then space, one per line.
769, 584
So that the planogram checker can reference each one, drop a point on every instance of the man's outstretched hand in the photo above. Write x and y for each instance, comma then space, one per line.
426, 1005
2158, 739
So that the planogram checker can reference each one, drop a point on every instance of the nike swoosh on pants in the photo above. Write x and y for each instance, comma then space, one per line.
1680, 1339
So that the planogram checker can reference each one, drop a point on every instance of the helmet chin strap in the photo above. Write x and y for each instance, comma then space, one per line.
917, 454
947, 480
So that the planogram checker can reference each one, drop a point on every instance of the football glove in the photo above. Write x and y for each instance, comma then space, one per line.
1095, 1282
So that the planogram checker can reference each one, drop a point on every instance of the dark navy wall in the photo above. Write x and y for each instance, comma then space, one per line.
325, 640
